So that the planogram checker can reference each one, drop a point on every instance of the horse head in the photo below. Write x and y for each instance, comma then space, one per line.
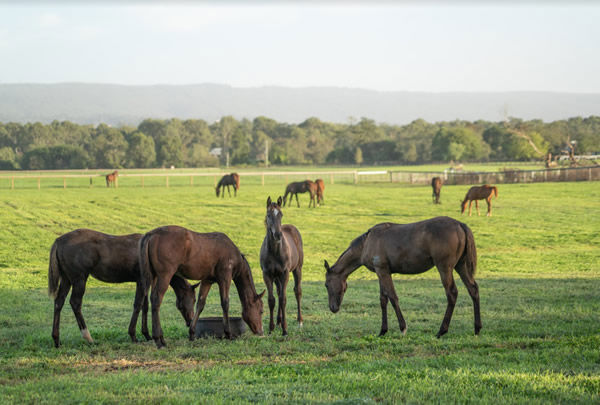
252, 314
336, 287
185, 300
273, 219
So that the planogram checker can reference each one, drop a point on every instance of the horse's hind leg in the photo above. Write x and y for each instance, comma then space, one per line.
137, 307
76, 299
59, 301
470, 205
388, 292
298, 291
204, 289
451, 295
298, 202
489, 204
473, 290
159, 288
228, 190
269, 283
477, 207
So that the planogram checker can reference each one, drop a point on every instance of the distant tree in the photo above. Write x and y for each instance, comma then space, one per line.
55, 157
108, 147
458, 144
141, 152
358, 156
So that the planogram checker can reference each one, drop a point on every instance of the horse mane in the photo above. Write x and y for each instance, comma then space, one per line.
357, 242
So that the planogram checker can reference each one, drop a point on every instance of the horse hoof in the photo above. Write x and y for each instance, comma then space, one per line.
382, 333
404, 331
300, 324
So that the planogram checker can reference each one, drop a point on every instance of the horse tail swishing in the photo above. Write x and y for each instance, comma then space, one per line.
144, 263
53, 273
466, 268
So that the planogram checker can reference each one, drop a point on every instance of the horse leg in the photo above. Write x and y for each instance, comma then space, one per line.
477, 207
145, 318
387, 291
298, 291
281, 284
451, 295
228, 190
298, 202
489, 204
204, 289
137, 307
470, 203
224, 292
75, 301
159, 288
473, 289
269, 283
59, 301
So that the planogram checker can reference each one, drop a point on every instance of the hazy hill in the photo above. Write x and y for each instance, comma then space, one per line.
116, 104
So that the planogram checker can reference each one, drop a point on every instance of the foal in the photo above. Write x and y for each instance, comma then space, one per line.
232, 179
280, 253
436, 185
112, 178
485, 192
301, 187
320, 190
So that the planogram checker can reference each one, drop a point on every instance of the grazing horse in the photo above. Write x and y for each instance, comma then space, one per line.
409, 249
76, 255
112, 178
281, 253
436, 185
301, 187
485, 192
209, 257
320, 190
232, 179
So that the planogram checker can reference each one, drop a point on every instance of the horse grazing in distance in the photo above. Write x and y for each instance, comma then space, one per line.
76, 255
436, 185
281, 253
293, 189
409, 249
320, 190
485, 192
232, 179
208, 257
111, 178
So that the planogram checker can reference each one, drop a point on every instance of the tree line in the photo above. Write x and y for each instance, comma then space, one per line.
197, 143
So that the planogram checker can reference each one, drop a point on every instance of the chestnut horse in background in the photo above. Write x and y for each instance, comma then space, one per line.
436, 185
485, 192
232, 179
320, 190
112, 178
169, 251
281, 253
301, 187
76, 255
414, 248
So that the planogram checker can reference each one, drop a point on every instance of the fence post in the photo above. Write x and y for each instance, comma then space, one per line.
590, 174
12, 183
262, 179
167, 177
390, 173
355, 177
39, 183
331, 177
64, 182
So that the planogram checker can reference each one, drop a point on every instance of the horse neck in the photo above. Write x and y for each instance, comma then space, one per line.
350, 260
245, 284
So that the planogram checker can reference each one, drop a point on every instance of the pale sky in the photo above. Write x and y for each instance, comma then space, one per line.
386, 46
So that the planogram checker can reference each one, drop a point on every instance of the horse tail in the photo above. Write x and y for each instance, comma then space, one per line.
469, 255
144, 262
53, 272
495, 191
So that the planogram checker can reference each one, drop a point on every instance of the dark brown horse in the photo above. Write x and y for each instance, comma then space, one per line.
209, 257
232, 179
111, 178
436, 185
409, 249
281, 253
485, 192
76, 255
301, 187
320, 190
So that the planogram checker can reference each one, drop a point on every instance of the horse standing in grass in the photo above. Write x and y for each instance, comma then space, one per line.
209, 257
111, 178
232, 179
281, 253
76, 255
320, 190
485, 192
409, 249
436, 185
293, 189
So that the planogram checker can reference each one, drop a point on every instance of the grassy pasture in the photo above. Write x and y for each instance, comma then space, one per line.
539, 277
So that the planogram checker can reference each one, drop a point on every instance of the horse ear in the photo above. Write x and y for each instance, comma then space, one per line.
259, 296
196, 285
268, 201
279, 201
327, 266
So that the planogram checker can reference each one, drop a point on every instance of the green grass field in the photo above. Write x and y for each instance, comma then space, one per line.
539, 277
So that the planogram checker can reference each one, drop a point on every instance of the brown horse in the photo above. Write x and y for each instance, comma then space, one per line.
209, 257
485, 192
320, 190
301, 187
111, 178
76, 255
436, 185
281, 253
232, 179
409, 249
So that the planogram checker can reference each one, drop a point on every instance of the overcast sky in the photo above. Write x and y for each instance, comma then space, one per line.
389, 47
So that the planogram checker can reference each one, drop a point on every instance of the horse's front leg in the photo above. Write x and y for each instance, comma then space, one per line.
281, 284
204, 289
269, 283
298, 291
228, 190
470, 206
386, 288
224, 292
75, 301
489, 204
297, 202
383, 301
477, 207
